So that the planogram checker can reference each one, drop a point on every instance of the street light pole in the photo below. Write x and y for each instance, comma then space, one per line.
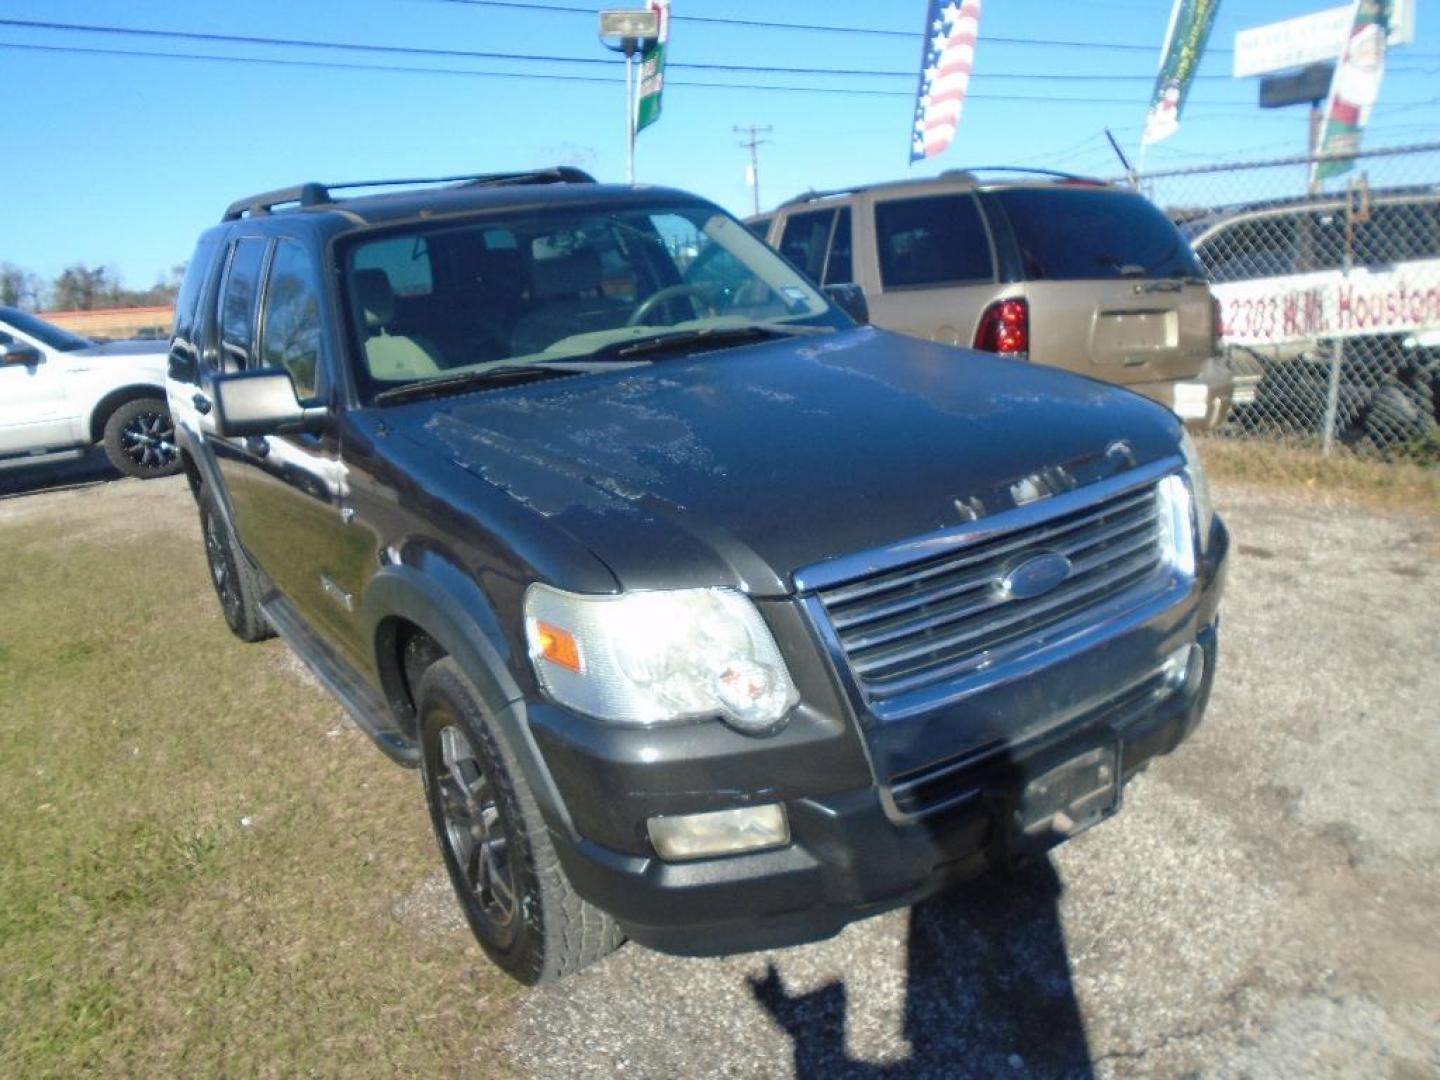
630, 31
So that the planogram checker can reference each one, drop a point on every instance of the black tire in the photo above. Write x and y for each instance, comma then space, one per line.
139, 439
236, 585
1398, 418
497, 850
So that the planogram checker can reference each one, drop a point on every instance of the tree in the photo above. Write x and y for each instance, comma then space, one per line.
84, 288
19, 288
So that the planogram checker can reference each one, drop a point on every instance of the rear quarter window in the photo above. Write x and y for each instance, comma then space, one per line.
1070, 233
932, 240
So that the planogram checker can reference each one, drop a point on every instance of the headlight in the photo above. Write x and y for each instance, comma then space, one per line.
651, 657
1199, 487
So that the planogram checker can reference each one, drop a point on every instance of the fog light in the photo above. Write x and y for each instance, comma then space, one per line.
1184, 668
696, 836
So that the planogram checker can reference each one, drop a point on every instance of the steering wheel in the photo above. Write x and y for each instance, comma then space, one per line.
660, 296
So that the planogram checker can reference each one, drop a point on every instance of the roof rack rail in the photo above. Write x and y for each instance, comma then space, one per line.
1025, 170
311, 194
317, 194
966, 175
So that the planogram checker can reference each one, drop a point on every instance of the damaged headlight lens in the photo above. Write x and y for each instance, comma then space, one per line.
652, 657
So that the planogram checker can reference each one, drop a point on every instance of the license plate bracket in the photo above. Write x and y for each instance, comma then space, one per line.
1065, 799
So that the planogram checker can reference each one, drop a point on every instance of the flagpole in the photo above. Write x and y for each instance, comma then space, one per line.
630, 96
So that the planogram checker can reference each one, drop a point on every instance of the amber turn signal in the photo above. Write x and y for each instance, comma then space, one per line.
558, 646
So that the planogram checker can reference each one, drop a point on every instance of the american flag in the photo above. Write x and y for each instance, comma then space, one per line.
945, 67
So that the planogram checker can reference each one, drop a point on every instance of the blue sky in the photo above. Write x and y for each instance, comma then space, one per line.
123, 160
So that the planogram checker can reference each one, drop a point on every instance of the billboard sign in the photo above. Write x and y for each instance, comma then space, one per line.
1311, 39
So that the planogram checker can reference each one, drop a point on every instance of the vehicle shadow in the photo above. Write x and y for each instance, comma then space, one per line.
988, 991
84, 470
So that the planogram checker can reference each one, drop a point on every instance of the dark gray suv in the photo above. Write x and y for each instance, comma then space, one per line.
710, 617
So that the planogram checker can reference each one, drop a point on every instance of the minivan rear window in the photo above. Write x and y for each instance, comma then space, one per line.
1070, 233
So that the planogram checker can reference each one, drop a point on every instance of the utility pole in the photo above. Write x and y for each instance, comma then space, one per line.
751, 143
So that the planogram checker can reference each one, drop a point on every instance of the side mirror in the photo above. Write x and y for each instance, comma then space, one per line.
851, 300
262, 403
17, 352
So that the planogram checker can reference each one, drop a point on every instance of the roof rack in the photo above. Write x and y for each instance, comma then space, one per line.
966, 175
318, 194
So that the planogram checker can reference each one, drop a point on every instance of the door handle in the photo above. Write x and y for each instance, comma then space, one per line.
258, 445
201, 403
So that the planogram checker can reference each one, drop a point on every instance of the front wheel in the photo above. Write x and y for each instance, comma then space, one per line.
139, 439
515, 896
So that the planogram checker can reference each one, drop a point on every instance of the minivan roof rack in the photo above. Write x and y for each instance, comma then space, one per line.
318, 194
966, 175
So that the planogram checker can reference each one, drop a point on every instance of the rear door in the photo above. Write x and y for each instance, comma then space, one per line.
1114, 289
934, 268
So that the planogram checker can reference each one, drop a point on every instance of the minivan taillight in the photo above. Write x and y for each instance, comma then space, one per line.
1004, 328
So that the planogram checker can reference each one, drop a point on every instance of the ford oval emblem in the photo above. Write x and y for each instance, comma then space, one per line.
1035, 576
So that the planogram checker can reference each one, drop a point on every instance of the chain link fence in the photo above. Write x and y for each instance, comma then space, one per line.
1329, 297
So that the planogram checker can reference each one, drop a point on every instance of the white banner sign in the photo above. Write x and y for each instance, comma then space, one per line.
1273, 311
1310, 39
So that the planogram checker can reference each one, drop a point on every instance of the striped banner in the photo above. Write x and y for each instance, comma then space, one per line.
946, 63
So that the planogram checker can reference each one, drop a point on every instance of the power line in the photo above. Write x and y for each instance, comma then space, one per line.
415, 69
765, 24
548, 76
473, 54
829, 28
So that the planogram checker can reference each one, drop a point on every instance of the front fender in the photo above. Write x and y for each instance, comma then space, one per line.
446, 602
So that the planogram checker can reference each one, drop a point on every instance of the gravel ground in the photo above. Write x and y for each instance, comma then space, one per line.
1265, 905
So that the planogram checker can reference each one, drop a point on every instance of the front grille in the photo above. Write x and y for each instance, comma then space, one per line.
936, 619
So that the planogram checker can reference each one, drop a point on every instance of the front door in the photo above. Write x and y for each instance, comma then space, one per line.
34, 412
289, 492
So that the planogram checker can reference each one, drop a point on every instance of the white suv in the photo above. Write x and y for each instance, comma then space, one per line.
60, 392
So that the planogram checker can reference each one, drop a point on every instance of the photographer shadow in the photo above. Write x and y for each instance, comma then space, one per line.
988, 991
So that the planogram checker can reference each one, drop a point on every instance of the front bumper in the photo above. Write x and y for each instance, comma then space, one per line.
858, 847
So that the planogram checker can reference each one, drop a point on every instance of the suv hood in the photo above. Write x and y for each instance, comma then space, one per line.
741, 466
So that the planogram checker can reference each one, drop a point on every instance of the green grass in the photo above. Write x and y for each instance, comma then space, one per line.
144, 929
1344, 475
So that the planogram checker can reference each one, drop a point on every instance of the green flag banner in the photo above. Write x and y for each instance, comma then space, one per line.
1354, 88
1190, 22
652, 70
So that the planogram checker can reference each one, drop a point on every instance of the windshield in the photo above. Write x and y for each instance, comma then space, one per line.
534, 287
1069, 233
46, 333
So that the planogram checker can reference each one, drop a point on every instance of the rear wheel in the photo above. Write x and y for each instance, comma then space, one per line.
140, 439
496, 848
236, 585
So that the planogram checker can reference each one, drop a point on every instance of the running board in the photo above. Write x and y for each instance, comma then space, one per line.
364, 705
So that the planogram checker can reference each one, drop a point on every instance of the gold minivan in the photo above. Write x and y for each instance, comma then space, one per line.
1059, 270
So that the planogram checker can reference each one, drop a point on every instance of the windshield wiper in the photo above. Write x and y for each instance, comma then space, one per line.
733, 335
451, 384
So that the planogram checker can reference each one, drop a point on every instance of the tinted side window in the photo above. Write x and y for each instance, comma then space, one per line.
1397, 232
1250, 248
192, 288
931, 241
237, 301
805, 240
292, 333
838, 270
